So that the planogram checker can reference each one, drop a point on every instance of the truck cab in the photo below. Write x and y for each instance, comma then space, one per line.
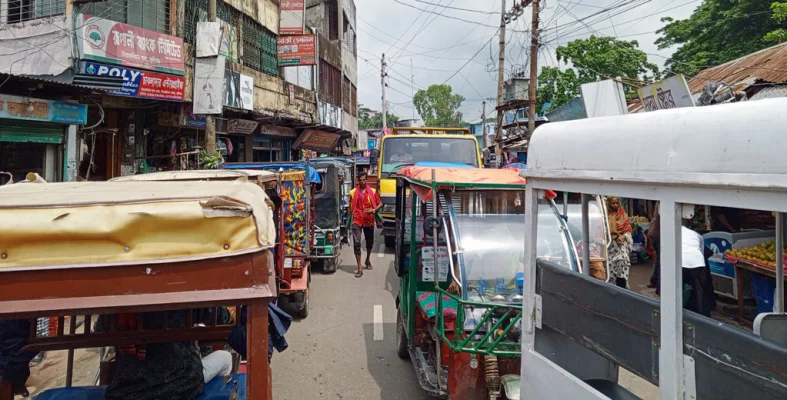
406, 146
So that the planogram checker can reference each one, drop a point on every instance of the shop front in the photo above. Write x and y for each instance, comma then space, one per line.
33, 135
273, 143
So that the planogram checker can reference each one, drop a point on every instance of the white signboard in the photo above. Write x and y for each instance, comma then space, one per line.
208, 85
208, 37
672, 92
604, 98
427, 272
291, 22
330, 115
246, 92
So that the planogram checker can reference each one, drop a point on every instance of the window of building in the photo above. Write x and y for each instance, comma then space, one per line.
353, 101
332, 18
330, 83
148, 14
12, 11
346, 94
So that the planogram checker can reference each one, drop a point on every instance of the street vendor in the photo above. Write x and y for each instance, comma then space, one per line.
365, 202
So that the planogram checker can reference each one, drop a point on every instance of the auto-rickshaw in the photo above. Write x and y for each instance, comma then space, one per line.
295, 189
331, 203
95, 248
460, 311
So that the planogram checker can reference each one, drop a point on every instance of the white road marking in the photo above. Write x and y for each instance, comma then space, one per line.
378, 323
381, 250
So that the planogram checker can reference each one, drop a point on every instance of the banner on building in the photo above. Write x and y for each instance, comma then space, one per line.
313, 139
330, 115
112, 42
297, 50
292, 16
228, 37
208, 39
238, 90
138, 83
669, 93
208, 85
30, 109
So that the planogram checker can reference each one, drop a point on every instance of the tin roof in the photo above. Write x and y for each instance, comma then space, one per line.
765, 65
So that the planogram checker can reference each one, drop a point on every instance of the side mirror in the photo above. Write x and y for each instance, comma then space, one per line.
430, 223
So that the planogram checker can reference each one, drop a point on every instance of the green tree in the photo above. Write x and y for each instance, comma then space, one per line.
556, 86
719, 31
594, 58
779, 15
371, 119
439, 107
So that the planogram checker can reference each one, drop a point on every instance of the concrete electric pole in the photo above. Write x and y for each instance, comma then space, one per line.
382, 82
531, 93
501, 60
210, 121
483, 124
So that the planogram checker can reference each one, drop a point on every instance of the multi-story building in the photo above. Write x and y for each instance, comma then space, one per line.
95, 90
334, 21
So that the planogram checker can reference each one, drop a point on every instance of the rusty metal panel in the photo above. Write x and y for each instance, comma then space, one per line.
766, 65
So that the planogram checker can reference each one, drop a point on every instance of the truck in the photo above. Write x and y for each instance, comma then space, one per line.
407, 146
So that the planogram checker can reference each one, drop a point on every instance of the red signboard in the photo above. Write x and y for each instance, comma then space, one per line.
291, 21
108, 41
161, 86
297, 50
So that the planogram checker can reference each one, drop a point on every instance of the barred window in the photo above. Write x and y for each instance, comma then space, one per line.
353, 101
346, 94
332, 18
148, 14
330, 83
13, 11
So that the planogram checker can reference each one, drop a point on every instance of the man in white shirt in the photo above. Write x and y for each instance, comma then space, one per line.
695, 273
400, 156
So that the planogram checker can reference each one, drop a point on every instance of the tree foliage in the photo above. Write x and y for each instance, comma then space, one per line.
371, 119
439, 107
719, 31
593, 59
779, 15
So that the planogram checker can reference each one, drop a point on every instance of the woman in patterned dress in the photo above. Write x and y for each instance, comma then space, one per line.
619, 250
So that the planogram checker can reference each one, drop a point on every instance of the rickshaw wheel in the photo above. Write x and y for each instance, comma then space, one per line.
401, 338
390, 241
329, 266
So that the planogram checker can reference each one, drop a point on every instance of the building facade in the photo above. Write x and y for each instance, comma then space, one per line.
97, 90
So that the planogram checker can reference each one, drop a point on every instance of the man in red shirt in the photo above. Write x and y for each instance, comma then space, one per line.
365, 202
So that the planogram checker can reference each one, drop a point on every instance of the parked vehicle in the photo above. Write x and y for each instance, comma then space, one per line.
460, 313
582, 331
409, 145
331, 203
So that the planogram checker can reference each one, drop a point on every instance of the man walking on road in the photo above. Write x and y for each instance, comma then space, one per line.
365, 202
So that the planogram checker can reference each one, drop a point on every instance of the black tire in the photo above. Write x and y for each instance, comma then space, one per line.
319, 263
329, 265
303, 312
390, 242
401, 338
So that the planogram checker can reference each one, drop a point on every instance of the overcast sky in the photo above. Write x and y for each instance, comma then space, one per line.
441, 45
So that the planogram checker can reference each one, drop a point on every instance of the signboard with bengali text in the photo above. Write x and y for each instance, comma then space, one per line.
139, 83
313, 139
111, 42
297, 50
292, 13
30, 109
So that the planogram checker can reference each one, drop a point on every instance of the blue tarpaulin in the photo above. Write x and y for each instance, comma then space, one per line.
314, 177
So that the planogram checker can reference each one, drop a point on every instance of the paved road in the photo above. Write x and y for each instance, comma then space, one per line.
346, 348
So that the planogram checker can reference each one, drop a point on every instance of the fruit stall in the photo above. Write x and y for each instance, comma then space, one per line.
758, 262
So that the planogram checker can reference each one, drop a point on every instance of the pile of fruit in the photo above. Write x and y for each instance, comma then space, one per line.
763, 254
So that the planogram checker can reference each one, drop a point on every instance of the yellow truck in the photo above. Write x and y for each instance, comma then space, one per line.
409, 145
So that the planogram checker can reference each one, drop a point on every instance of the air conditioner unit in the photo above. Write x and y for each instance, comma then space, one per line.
516, 89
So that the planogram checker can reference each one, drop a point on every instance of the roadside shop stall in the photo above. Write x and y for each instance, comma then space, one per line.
129, 266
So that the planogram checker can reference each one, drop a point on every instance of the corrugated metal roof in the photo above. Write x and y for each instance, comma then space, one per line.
769, 65
770, 93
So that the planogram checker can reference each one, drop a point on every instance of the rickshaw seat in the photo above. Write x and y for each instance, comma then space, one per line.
213, 391
427, 301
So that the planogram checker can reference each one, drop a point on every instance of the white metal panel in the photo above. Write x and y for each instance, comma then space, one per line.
739, 144
604, 98
544, 380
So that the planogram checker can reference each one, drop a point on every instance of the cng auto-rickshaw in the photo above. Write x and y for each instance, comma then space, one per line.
296, 186
95, 248
331, 204
460, 295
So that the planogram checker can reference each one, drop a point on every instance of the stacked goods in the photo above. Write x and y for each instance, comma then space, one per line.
762, 255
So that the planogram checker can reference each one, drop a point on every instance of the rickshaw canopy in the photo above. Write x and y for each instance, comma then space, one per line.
314, 177
49, 225
460, 178
202, 174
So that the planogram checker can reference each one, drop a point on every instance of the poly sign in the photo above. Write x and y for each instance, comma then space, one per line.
112, 42
672, 92
138, 83
291, 22
297, 50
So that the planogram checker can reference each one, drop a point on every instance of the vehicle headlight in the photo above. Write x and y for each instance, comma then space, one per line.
389, 208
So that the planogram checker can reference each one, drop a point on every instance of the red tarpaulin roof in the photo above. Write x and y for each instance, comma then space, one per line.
465, 177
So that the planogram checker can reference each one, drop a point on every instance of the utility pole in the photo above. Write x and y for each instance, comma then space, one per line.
412, 84
483, 123
531, 93
210, 121
500, 76
382, 81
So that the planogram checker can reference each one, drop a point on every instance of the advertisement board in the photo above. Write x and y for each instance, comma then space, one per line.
291, 22
297, 50
30, 109
111, 42
241, 126
139, 83
208, 85
313, 139
228, 37
669, 93
238, 90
